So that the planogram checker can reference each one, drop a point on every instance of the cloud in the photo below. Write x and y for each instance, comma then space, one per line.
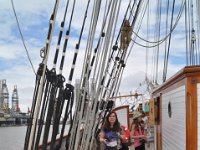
34, 17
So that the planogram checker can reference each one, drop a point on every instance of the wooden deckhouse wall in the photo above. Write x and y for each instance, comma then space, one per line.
178, 128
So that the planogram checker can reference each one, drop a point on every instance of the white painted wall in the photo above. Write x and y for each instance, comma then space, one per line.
122, 116
174, 128
198, 116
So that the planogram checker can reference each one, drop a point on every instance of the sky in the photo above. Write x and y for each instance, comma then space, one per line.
33, 17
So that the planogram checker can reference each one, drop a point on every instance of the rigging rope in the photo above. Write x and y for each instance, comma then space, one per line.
186, 35
103, 57
164, 78
72, 71
66, 39
21, 35
63, 94
169, 42
147, 54
60, 35
31, 130
158, 42
74, 142
106, 61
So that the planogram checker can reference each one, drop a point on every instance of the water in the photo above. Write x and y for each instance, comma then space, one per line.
12, 138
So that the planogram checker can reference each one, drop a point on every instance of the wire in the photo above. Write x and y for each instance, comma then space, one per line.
168, 34
22, 37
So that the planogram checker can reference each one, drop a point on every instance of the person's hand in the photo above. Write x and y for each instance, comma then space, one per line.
144, 137
105, 141
122, 136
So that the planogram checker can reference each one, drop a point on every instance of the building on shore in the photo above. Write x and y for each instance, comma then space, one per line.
4, 96
10, 116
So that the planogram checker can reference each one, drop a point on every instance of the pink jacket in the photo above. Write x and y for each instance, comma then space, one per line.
136, 140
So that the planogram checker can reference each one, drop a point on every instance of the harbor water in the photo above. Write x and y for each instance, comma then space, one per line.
12, 138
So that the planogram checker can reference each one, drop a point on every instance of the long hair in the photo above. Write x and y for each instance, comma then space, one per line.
116, 126
136, 123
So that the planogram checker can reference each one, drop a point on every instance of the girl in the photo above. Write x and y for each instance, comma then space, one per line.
111, 132
137, 133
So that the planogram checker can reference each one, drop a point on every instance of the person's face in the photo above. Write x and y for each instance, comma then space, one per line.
139, 118
112, 118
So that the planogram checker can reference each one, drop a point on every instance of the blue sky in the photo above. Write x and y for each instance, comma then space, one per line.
34, 16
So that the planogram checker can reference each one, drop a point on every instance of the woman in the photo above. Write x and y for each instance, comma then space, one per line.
137, 133
111, 132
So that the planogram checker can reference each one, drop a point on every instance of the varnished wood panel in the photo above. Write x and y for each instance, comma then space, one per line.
159, 122
191, 113
198, 115
152, 112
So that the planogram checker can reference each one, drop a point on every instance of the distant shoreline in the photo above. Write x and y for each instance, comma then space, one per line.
11, 125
